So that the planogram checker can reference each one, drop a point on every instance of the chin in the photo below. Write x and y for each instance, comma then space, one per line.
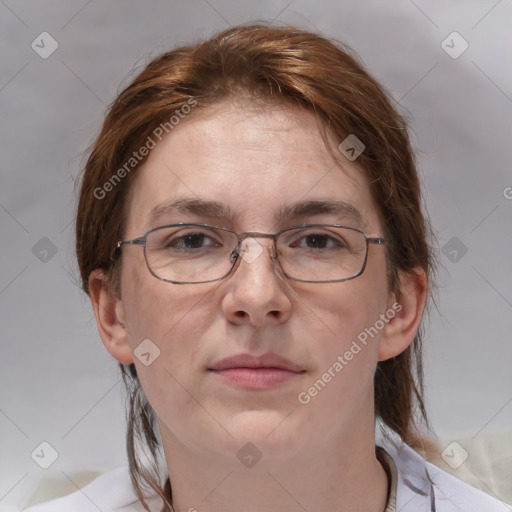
271, 431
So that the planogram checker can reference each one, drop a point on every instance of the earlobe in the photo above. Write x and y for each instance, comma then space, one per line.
110, 318
409, 306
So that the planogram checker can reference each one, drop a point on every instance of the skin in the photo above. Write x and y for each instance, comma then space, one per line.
319, 456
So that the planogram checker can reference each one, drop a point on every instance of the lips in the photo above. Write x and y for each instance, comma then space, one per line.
249, 361
256, 372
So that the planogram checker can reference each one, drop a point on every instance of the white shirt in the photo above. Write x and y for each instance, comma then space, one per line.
417, 486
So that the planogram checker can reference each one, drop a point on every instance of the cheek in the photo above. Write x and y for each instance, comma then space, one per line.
166, 321
341, 311
159, 310
344, 319
346, 347
178, 319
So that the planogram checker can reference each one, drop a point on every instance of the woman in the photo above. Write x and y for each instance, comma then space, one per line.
251, 235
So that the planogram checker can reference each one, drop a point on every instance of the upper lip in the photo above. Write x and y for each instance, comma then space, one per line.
268, 360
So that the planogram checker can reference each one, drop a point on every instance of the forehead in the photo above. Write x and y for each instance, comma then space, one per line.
255, 163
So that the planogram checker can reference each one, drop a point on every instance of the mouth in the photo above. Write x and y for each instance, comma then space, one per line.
256, 372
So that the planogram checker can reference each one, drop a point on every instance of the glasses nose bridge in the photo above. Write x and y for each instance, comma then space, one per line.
242, 237
254, 234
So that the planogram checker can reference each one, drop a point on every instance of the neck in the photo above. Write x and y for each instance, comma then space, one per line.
326, 476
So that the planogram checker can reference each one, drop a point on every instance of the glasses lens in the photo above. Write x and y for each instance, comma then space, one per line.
190, 253
322, 253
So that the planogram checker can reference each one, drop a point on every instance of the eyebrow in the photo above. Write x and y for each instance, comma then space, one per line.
190, 206
338, 208
296, 210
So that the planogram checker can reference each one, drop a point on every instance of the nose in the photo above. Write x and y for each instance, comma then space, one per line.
256, 291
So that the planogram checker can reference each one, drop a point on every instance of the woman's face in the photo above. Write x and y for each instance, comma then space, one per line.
256, 164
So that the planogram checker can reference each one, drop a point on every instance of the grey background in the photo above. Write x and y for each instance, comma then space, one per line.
58, 384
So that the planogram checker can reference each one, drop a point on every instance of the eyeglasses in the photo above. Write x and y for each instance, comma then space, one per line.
200, 253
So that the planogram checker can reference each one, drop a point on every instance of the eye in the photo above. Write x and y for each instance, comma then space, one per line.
318, 241
190, 241
187, 240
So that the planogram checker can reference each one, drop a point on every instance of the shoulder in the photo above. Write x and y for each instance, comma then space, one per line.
422, 486
110, 492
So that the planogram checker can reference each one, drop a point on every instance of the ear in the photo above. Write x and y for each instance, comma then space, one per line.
110, 318
408, 306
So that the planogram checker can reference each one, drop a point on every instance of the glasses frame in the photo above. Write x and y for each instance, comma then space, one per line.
235, 255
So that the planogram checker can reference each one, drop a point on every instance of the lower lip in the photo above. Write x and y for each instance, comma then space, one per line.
256, 378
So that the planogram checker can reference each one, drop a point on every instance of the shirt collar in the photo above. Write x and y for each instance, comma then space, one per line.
389, 465
414, 491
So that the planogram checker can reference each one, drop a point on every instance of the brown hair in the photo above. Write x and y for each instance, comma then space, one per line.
264, 64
